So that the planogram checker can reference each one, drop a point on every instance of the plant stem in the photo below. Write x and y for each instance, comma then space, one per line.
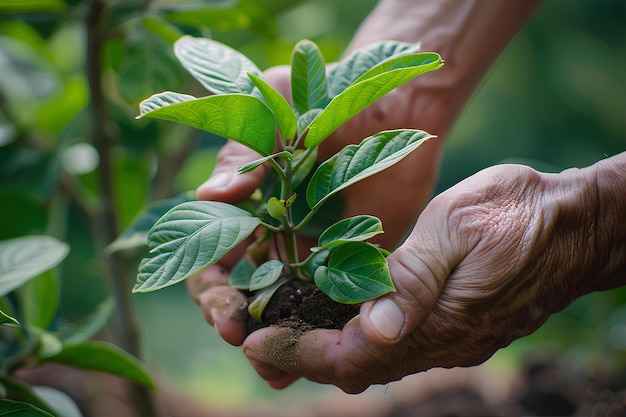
104, 139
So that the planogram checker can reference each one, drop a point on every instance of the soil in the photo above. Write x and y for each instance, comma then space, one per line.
304, 307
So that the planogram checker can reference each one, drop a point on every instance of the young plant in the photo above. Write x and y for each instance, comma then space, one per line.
245, 108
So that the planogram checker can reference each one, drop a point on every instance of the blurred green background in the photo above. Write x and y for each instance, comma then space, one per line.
555, 99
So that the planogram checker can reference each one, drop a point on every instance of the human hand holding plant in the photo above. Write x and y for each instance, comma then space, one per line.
488, 262
196, 235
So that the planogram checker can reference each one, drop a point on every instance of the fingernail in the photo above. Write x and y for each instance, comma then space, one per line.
219, 180
387, 318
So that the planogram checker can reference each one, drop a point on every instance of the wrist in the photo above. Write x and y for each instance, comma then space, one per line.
588, 230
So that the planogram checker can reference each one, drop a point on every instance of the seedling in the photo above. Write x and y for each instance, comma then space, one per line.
245, 108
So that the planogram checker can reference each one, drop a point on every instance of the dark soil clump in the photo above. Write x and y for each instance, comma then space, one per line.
304, 307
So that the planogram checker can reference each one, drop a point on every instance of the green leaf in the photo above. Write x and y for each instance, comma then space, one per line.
365, 92
240, 117
251, 166
219, 68
316, 260
402, 62
266, 274
33, 6
222, 16
9, 408
24, 258
148, 65
103, 357
7, 319
257, 306
283, 112
305, 120
18, 389
90, 325
357, 162
189, 238
308, 77
303, 163
357, 228
356, 272
48, 343
60, 402
361, 60
241, 274
137, 232
39, 298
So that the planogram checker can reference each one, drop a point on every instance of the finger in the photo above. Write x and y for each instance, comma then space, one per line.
276, 378
225, 184
419, 269
223, 306
343, 358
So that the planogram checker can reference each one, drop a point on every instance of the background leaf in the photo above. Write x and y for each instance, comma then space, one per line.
9, 408
357, 162
308, 77
39, 298
103, 357
356, 272
363, 93
189, 238
240, 117
24, 258
219, 68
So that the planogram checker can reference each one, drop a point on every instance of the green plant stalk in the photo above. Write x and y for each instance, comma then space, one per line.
288, 234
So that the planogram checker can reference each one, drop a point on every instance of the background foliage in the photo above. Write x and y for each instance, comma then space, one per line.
76, 165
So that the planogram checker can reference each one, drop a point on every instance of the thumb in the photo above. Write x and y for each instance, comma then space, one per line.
225, 184
419, 269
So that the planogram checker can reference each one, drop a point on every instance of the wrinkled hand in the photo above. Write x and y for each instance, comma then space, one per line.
221, 304
488, 261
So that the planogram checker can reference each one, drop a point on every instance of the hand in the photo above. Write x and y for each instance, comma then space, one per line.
222, 304
488, 262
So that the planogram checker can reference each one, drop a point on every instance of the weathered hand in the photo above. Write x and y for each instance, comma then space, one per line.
488, 262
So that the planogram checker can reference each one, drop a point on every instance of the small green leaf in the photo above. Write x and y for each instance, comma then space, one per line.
266, 274
240, 117
305, 120
7, 319
357, 162
308, 77
251, 166
24, 258
257, 306
48, 343
358, 228
90, 325
282, 110
365, 92
136, 233
219, 68
361, 60
356, 272
189, 238
10, 408
103, 357
39, 298
241, 274
276, 208
303, 164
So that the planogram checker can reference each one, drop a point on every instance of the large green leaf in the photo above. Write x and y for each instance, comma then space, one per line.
308, 77
357, 162
283, 112
361, 60
357, 228
356, 272
103, 357
366, 90
219, 68
189, 238
24, 258
240, 117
